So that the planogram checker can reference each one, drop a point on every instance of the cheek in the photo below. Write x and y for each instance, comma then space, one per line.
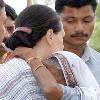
68, 28
89, 29
60, 42
67, 35
67, 25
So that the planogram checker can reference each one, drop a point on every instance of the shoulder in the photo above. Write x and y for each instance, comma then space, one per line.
14, 66
13, 70
17, 75
95, 53
90, 53
69, 55
17, 64
72, 58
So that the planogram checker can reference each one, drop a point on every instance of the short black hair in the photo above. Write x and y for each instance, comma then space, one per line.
59, 4
40, 19
2, 4
10, 12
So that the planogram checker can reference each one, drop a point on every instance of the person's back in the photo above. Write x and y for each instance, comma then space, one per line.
17, 82
78, 17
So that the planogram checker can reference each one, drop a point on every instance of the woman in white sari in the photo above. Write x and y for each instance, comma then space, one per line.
77, 73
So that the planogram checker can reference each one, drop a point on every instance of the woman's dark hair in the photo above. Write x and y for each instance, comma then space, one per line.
10, 12
39, 18
59, 4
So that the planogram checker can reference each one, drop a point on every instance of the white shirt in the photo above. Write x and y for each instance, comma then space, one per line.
17, 82
92, 59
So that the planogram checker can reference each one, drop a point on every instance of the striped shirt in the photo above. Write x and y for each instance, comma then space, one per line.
17, 82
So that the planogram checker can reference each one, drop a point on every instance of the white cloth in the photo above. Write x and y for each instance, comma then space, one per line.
92, 59
17, 82
87, 82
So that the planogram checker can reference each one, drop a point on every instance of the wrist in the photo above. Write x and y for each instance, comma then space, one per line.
35, 63
37, 68
33, 58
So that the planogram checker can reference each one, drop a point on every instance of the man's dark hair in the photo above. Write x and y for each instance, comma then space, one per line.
59, 4
40, 19
2, 4
10, 12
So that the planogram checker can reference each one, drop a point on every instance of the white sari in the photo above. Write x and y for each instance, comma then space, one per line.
78, 74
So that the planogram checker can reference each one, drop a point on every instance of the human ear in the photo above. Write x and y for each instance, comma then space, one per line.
50, 36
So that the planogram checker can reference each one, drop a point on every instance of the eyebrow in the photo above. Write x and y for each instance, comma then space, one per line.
89, 16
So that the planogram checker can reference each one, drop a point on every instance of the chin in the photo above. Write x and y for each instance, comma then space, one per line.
79, 44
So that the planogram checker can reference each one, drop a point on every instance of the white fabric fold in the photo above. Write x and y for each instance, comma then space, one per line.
87, 82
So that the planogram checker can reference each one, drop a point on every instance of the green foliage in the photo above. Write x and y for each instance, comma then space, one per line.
95, 39
98, 12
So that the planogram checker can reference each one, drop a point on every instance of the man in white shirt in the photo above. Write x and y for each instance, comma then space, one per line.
78, 17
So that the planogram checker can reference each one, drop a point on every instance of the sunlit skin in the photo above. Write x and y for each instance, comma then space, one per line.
2, 23
78, 26
10, 26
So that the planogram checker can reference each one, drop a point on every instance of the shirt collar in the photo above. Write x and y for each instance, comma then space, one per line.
88, 55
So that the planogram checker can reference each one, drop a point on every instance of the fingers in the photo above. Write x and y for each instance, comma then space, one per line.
9, 56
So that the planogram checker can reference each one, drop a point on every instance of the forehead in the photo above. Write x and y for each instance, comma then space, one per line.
77, 12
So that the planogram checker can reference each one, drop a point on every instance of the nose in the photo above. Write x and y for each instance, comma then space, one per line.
79, 27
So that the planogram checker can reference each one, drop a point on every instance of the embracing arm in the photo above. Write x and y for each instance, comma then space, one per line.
49, 85
46, 81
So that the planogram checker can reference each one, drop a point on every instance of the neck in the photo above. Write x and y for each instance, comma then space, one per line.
41, 52
78, 50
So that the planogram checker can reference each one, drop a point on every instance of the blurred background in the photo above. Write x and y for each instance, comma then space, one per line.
19, 5
94, 41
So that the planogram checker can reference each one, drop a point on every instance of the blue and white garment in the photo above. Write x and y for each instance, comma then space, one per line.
92, 59
86, 81
17, 82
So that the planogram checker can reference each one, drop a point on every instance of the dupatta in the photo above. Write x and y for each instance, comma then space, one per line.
77, 73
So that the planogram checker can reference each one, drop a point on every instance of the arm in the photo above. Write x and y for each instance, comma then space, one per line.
45, 80
71, 93
49, 85
68, 93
